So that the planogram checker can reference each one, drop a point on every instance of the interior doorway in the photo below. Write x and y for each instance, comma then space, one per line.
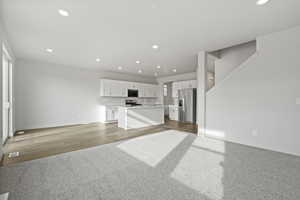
6, 95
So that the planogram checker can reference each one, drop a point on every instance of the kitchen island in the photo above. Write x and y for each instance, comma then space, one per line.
140, 116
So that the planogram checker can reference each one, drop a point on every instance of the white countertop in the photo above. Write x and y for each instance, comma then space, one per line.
173, 105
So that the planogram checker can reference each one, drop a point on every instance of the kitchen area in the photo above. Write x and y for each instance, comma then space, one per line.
136, 105
130, 104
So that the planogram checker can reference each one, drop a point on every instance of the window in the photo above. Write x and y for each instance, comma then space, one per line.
165, 90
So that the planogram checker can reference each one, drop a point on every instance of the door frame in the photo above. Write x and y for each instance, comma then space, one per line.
6, 54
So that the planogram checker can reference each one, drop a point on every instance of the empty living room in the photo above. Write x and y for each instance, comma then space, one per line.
150, 100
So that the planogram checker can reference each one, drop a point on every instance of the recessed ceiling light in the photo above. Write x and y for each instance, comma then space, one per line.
174, 70
49, 50
155, 46
158, 66
120, 68
262, 2
98, 59
63, 13
138, 62
140, 71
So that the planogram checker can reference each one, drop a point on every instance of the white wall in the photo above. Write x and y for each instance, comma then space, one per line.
256, 104
49, 95
232, 57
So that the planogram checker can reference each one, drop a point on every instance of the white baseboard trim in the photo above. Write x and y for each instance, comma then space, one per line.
251, 145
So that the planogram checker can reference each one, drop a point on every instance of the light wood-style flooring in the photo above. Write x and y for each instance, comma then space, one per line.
39, 143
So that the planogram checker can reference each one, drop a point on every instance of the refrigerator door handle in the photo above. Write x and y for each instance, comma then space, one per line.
183, 105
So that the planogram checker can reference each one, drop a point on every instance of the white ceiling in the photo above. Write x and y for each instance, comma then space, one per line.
123, 31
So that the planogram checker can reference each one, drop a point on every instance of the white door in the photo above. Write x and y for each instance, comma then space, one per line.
6, 96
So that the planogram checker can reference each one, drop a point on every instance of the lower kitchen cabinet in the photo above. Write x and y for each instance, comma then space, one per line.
108, 114
173, 112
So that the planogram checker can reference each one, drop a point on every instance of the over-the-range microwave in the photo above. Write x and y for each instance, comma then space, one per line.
132, 93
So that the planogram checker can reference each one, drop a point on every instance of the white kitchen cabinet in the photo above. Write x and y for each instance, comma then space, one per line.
104, 88
173, 112
128, 119
142, 90
133, 85
151, 91
155, 91
190, 84
108, 114
175, 88
193, 83
182, 85
115, 88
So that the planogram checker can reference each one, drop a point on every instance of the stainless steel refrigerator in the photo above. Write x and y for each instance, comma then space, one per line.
187, 102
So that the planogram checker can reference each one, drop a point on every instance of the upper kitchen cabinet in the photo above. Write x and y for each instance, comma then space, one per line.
175, 88
182, 85
155, 90
148, 90
142, 90
118, 89
133, 85
114, 88
191, 84
105, 88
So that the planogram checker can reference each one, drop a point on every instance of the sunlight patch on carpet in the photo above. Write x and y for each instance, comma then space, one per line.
152, 149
